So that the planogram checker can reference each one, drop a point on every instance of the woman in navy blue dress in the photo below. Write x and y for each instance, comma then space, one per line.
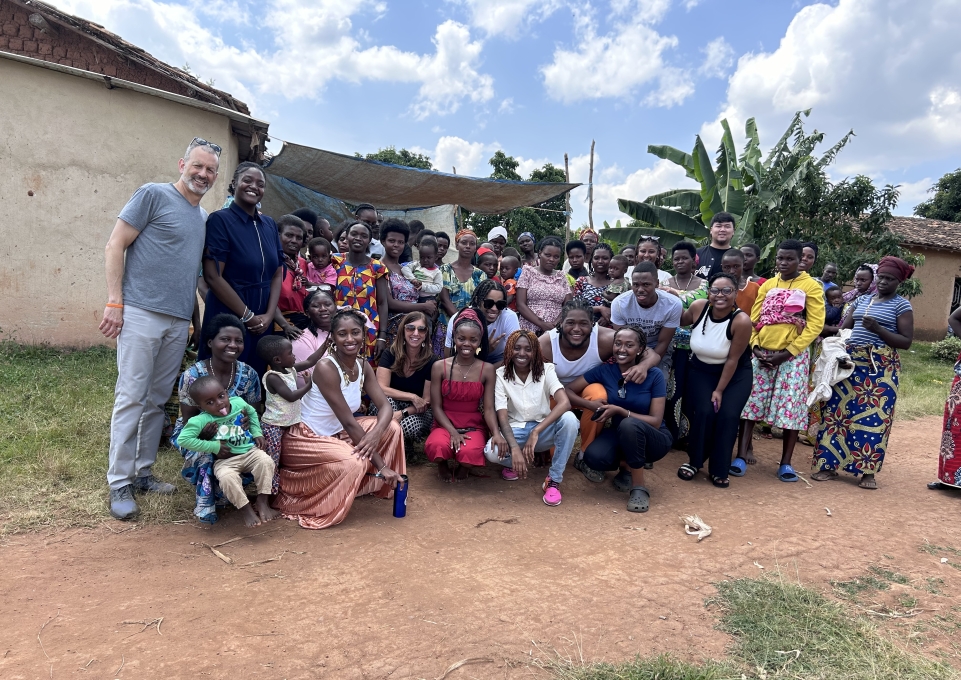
243, 263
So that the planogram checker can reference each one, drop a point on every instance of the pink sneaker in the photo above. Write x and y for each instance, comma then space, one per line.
508, 475
552, 492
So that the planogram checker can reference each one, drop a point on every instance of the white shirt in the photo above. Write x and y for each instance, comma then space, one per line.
376, 249
527, 402
662, 276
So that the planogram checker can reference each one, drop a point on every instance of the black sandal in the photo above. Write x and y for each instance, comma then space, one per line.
720, 482
686, 472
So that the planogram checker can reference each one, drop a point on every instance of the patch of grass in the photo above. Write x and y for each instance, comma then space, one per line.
850, 590
54, 434
933, 585
888, 575
925, 382
781, 630
768, 617
663, 667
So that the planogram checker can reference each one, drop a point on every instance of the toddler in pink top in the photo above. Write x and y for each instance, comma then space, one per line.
320, 271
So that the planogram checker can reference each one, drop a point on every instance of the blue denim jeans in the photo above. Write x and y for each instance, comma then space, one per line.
560, 434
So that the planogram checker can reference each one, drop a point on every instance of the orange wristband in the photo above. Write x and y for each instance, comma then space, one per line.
114, 305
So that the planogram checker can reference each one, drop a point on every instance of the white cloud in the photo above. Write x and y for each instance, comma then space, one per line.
718, 58
887, 68
508, 17
913, 193
507, 106
314, 43
470, 158
620, 62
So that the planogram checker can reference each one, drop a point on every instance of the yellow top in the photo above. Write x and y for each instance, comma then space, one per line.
785, 335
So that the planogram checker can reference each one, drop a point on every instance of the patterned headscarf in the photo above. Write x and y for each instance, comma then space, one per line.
464, 232
528, 235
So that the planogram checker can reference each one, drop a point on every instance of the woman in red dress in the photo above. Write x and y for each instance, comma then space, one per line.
458, 387
949, 462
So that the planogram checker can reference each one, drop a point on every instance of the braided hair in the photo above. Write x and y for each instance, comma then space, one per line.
575, 304
537, 357
468, 317
310, 297
340, 316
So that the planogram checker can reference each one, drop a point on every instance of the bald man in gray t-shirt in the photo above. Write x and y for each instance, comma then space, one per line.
152, 259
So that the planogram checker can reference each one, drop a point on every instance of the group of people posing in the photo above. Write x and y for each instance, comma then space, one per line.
323, 354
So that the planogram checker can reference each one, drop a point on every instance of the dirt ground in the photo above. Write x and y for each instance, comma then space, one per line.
481, 571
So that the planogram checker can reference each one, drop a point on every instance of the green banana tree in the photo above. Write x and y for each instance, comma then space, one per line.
742, 186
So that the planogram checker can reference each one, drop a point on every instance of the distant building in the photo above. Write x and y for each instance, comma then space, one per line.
940, 243
90, 118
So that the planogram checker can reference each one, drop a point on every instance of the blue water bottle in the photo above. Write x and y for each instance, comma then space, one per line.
400, 497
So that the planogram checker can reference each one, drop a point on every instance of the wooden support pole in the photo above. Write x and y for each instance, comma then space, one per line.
590, 191
567, 178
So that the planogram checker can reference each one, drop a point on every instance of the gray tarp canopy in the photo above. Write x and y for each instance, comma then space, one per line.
393, 187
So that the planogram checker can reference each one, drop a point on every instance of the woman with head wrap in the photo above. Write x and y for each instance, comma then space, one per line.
856, 420
460, 278
527, 244
497, 237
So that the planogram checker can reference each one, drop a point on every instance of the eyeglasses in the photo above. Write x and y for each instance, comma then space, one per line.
200, 141
411, 328
622, 388
727, 290
500, 304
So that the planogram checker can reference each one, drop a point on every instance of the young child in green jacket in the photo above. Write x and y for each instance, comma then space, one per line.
219, 430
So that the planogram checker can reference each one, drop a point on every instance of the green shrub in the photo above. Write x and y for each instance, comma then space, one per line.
947, 350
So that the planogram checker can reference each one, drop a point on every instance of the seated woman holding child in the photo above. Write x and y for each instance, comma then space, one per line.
224, 336
331, 457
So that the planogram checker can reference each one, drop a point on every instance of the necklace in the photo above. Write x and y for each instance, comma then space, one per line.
687, 285
746, 281
467, 372
348, 376
233, 370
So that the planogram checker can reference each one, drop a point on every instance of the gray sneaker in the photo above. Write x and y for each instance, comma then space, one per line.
122, 504
151, 484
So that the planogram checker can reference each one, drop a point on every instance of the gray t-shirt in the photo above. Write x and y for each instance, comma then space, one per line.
160, 274
666, 312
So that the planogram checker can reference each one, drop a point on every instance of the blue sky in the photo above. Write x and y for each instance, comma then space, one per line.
458, 79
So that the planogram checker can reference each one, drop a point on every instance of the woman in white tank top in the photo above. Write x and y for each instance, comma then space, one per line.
331, 457
719, 378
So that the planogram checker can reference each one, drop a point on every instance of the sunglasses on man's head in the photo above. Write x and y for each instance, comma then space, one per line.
500, 304
411, 328
200, 141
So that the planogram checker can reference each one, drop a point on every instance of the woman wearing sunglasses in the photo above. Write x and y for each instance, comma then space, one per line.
649, 250
637, 435
489, 300
403, 372
719, 378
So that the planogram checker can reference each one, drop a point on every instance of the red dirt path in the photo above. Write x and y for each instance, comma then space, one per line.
378, 597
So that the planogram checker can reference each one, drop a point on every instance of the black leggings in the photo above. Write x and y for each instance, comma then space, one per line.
713, 435
631, 440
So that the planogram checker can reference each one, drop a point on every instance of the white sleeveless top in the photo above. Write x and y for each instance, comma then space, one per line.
710, 339
316, 412
569, 371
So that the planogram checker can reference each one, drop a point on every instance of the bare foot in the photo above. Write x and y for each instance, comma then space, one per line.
250, 517
444, 472
266, 512
461, 474
749, 456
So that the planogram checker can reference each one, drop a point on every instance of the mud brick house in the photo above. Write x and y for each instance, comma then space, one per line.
940, 276
90, 118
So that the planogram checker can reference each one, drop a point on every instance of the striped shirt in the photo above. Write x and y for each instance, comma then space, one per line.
886, 312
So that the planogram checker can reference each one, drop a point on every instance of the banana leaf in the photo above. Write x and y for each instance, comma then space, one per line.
688, 200
704, 173
631, 235
664, 218
669, 153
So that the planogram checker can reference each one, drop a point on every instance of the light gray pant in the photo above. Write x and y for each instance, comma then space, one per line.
150, 350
